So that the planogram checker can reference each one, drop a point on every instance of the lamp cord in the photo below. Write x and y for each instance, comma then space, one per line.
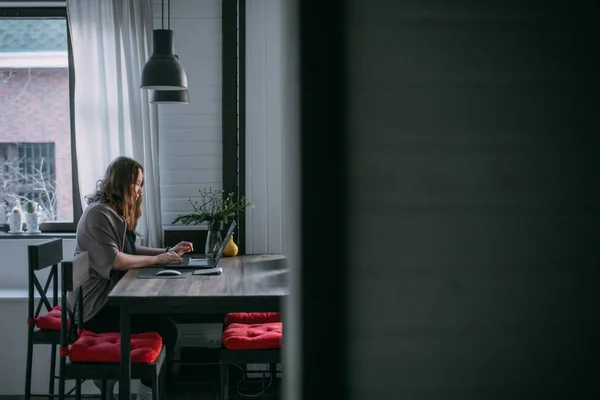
162, 18
169, 15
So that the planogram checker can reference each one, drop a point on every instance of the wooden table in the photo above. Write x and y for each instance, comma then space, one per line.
250, 283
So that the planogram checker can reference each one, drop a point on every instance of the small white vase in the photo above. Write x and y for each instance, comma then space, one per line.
15, 222
32, 220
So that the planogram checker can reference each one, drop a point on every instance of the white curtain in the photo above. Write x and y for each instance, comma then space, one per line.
111, 42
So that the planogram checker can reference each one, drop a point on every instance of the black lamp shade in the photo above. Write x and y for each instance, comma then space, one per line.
170, 97
163, 70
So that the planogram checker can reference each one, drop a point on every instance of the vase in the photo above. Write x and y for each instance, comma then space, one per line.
32, 220
231, 249
213, 240
15, 222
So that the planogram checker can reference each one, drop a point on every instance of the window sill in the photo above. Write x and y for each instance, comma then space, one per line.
19, 294
43, 235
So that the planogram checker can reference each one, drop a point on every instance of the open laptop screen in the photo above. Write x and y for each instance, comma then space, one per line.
212, 262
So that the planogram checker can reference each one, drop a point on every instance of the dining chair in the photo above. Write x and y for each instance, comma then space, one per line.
43, 315
250, 343
252, 317
97, 356
43, 318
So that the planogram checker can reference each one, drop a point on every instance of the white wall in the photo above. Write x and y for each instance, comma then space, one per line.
264, 125
190, 135
291, 199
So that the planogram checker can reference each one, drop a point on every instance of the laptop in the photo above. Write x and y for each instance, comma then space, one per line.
200, 261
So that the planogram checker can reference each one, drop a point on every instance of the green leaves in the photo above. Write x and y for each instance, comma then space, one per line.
214, 207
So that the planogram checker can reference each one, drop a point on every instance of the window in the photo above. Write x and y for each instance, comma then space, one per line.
37, 149
29, 174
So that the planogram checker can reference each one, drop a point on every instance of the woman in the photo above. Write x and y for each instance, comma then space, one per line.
106, 231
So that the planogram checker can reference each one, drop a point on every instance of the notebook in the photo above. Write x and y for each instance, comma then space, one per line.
200, 262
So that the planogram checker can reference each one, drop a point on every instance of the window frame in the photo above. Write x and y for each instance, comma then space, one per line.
53, 11
233, 104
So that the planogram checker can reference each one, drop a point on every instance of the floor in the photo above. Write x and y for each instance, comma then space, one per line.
198, 378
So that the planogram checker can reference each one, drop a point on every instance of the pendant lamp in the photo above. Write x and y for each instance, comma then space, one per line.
163, 70
170, 96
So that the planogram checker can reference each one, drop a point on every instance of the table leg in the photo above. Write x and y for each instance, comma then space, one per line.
125, 378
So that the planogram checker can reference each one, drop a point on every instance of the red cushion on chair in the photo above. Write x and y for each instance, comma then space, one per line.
252, 318
51, 320
106, 347
253, 336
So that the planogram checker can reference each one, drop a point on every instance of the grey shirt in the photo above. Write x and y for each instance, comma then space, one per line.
100, 233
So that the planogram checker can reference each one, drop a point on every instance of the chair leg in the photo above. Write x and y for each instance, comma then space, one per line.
28, 365
104, 389
155, 387
52, 372
224, 378
78, 389
273, 368
109, 389
61, 379
162, 379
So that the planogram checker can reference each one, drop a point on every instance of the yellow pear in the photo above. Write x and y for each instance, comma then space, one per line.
231, 248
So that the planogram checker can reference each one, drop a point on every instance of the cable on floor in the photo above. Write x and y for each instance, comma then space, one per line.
263, 391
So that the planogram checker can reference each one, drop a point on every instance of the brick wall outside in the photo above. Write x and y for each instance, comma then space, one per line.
34, 107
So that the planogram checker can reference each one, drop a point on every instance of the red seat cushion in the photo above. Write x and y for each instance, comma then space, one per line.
252, 318
253, 336
106, 347
51, 320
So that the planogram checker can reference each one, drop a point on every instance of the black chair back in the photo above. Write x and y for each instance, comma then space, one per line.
41, 256
74, 315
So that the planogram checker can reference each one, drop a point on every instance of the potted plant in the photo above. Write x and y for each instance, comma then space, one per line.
216, 209
15, 219
32, 217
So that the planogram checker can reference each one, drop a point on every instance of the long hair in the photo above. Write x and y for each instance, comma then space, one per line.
116, 189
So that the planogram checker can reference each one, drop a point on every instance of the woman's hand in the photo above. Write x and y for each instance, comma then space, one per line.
168, 257
182, 247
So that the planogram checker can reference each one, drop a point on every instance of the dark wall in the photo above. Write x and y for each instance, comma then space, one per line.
473, 181
470, 139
